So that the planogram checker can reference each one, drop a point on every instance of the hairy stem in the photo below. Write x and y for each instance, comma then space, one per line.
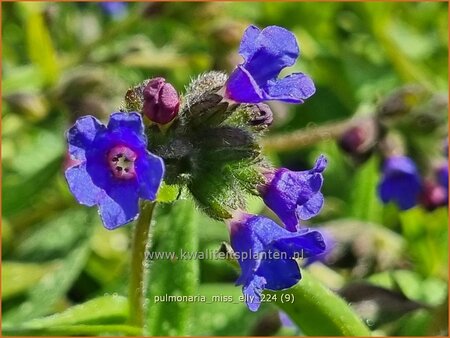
309, 136
138, 266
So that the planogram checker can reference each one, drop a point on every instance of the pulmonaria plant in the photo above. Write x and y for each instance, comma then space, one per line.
206, 142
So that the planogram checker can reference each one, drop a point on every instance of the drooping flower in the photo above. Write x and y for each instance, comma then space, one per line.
115, 168
266, 52
266, 253
295, 195
161, 101
400, 182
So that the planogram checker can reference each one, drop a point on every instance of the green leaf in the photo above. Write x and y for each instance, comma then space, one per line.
23, 78
17, 195
318, 311
56, 237
42, 298
365, 203
19, 277
176, 277
40, 46
423, 229
222, 313
72, 330
102, 310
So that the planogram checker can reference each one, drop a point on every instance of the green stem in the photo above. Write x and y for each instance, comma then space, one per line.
310, 135
80, 329
138, 265
318, 311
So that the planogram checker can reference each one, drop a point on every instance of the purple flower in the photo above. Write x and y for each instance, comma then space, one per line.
295, 195
161, 102
115, 167
266, 253
266, 52
400, 183
115, 9
442, 175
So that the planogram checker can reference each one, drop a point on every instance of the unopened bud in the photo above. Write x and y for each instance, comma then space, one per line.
261, 115
433, 196
360, 140
161, 101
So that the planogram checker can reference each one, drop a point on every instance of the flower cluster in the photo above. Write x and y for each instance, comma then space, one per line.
207, 143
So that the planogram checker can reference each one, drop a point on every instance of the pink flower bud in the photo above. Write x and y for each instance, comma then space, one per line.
161, 102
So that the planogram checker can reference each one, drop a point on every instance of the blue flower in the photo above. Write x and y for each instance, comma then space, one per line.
115, 166
400, 183
115, 9
442, 176
265, 54
295, 195
266, 253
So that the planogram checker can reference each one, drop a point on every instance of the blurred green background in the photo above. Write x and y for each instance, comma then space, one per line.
64, 60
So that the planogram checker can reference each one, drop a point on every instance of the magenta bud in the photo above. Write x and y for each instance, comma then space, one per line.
161, 101
353, 139
433, 196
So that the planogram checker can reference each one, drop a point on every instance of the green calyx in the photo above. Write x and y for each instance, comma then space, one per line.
211, 148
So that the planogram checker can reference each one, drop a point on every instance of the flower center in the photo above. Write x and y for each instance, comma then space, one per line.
121, 161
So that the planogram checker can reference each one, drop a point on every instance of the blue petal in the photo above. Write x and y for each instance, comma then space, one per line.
262, 238
399, 164
81, 185
442, 176
403, 190
400, 183
294, 88
242, 88
274, 49
294, 195
120, 206
248, 41
280, 274
253, 292
320, 165
305, 243
149, 171
81, 136
116, 9
246, 240
128, 123
310, 208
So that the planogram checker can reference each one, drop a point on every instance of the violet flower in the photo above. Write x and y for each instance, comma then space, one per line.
400, 183
266, 52
266, 253
116, 168
295, 195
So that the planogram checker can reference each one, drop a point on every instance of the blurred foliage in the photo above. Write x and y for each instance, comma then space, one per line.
64, 60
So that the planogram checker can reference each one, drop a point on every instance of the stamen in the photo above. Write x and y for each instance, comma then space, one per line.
121, 160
